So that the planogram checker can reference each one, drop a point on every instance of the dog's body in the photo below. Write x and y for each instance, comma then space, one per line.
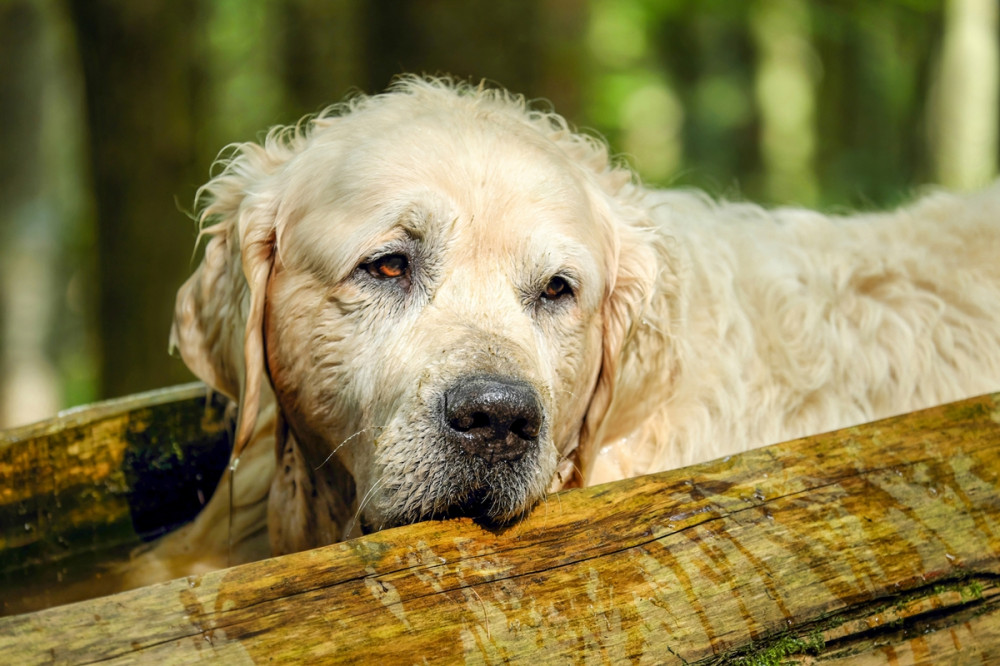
461, 304
792, 323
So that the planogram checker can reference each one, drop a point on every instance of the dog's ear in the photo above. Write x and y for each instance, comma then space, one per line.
219, 313
635, 266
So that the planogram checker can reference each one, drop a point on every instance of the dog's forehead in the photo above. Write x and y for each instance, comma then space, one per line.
478, 160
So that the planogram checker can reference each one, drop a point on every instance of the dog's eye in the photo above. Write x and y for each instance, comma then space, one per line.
556, 289
388, 266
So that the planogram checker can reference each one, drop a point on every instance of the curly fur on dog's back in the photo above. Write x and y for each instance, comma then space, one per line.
790, 322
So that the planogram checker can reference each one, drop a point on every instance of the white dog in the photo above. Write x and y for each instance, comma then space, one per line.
439, 301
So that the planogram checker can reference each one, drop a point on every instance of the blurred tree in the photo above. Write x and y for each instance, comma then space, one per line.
561, 67
45, 341
520, 44
966, 103
29, 387
634, 99
141, 64
242, 89
324, 52
721, 133
876, 60
785, 88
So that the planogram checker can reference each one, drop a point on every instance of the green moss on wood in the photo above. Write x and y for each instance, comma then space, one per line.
775, 652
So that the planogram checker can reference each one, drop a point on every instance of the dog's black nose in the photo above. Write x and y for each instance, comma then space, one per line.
492, 417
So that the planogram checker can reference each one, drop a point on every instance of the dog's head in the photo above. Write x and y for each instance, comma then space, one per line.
438, 282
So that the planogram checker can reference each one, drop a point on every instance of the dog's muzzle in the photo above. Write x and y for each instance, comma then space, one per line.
492, 417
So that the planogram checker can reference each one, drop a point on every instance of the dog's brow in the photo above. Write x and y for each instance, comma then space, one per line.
413, 221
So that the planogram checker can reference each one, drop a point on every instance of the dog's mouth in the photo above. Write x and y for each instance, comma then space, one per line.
493, 494
480, 505
484, 457
485, 508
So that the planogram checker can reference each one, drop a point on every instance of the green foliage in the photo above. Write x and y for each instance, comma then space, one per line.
774, 653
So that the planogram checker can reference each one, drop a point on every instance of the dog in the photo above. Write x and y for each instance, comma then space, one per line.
442, 301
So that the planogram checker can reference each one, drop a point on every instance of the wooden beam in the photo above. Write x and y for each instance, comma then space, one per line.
881, 540
87, 486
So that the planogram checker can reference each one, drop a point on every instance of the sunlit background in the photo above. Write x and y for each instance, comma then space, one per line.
111, 113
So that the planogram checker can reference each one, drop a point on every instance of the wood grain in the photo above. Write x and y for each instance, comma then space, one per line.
874, 544
91, 484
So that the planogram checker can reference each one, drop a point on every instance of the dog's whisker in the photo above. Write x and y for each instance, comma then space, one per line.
369, 496
364, 502
345, 441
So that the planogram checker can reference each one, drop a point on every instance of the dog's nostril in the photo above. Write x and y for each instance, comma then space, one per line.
494, 418
525, 429
469, 422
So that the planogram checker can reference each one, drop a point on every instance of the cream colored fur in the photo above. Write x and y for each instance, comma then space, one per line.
696, 329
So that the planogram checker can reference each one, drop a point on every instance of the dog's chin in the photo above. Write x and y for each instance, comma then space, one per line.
494, 496
478, 505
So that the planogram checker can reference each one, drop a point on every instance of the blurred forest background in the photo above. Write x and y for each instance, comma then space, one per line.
112, 111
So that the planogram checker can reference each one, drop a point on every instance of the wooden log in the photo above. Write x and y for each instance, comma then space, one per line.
91, 484
874, 544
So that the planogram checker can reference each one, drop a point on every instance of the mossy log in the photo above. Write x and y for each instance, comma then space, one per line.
93, 483
878, 543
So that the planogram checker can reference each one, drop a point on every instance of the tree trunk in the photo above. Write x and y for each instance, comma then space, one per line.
498, 41
786, 97
966, 106
323, 52
44, 261
140, 63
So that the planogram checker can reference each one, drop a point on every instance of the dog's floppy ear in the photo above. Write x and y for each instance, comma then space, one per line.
219, 313
634, 266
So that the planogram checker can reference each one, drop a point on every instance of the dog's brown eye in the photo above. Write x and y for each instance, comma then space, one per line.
556, 289
389, 266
